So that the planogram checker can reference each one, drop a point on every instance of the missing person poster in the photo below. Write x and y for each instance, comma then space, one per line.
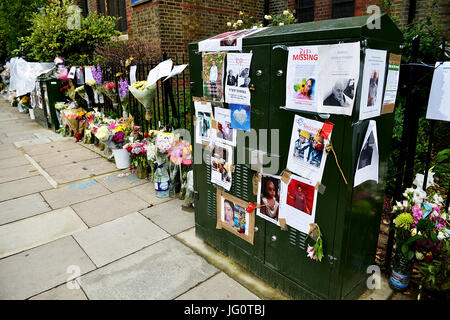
367, 166
372, 84
438, 102
203, 123
238, 78
224, 132
221, 162
301, 78
213, 68
393, 76
338, 77
269, 191
307, 154
298, 202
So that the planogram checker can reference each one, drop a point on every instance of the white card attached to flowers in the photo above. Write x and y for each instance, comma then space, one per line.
367, 166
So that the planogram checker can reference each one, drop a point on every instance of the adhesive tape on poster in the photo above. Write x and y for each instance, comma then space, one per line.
282, 222
213, 124
286, 176
256, 179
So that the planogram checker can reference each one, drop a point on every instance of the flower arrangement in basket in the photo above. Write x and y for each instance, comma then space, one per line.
144, 94
422, 234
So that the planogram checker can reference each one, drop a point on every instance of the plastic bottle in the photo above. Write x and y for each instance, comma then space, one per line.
162, 181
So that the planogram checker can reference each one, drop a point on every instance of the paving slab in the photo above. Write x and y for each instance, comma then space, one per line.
118, 238
9, 151
64, 157
23, 187
120, 181
16, 173
384, 292
34, 141
80, 170
61, 292
219, 287
24, 207
164, 270
147, 192
37, 230
74, 193
171, 216
31, 272
109, 207
13, 162
47, 148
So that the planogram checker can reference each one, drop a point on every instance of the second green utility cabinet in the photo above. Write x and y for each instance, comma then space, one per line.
50, 96
348, 217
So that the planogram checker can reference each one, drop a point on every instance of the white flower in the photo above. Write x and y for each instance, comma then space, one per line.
286, 12
444, 216
229, 24
441, 236
281, 24
102, 133
438, 199
151, 152
413, 232
419, 195
419, 255
405, 203
419, 233
239, 21
268, 17
255, 27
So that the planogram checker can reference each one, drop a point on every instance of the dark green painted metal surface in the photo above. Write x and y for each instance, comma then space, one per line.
348, 217
51, 86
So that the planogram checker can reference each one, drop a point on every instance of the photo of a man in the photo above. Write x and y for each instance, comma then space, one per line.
231, 79
213, 74
365, 159
337, 97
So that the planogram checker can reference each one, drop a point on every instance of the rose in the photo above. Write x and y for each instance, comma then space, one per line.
102, 133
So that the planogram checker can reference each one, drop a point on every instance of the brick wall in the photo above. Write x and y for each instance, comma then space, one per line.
322, 10
143, 23
277, 6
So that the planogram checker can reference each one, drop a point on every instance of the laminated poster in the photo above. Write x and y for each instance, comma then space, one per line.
438, 102
393, 76
367, 166
224, 132
338, 77
240, 116
221, 165
307, 155
212, 75
228, 41
133, 74
238, 78
203, 123
372, 84
269, 191
163, 69
298, 202
301, 78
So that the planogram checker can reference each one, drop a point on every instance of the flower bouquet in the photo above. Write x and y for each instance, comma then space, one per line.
109, 89
144, 94
123, 95
163, 143
138, 158
421, 234
73, 117
180, 155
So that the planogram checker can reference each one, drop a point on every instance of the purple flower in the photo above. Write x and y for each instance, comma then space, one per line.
97, 74
123, 88
119, 137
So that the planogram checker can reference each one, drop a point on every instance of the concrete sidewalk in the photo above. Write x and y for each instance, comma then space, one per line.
72, 226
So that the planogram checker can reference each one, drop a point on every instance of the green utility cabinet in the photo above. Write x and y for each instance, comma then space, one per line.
50, 96
348, 217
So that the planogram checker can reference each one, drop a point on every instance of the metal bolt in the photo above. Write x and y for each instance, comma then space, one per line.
279, 73
274, 238
258, 73
256, 229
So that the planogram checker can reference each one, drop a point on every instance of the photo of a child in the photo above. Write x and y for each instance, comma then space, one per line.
309, 147
300, 196
234, 216
269, 197
305, 89
220, 166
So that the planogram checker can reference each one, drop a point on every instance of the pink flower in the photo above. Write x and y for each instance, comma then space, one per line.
311, 254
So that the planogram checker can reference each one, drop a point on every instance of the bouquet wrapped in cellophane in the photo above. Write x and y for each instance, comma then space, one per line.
144, 94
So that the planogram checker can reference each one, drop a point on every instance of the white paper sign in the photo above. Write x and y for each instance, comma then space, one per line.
301, 78
367, 166
438, 102
298, 203
72, 73
88, 74
133, 74
203, 128
221, 162
227, 41
224, 133
307, 154
393, 76
161, 70
176, 70
372, 84
338, 77
238, 78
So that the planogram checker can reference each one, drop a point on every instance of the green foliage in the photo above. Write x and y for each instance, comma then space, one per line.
52, 36
14, 16
435, 274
